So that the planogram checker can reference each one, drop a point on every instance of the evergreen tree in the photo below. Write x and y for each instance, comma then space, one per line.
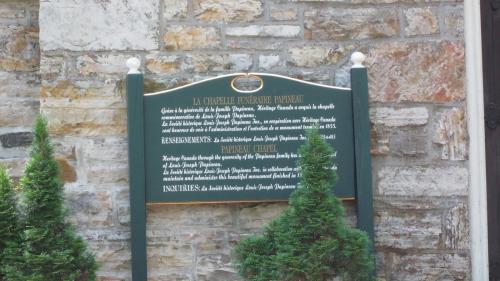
9, 230
49, 249
310, 240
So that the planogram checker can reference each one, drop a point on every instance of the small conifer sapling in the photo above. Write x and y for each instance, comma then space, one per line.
50, 249
310, 241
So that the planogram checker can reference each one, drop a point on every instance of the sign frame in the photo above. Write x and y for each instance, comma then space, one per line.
137, 173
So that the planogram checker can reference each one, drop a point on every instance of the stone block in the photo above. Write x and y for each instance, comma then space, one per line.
422, 181
279, 13
349, 24
86, 122
253, 44
255, 217
284, 31
174, 9
454, 22
18, 112
456, 227
102, 64
228, 10
53, 68
215, 267
19, 85
451, 134
399, 117
409, 142
19, 48
163, 64
417, 72
421, 21
67, 171
312, 56
408, 229
115, 25
160, 217
82, 94
186, 38
90, 207
16, 139
423, 267
114, 257
268, 62
218, 62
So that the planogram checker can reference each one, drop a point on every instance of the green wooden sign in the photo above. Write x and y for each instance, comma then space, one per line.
210, 142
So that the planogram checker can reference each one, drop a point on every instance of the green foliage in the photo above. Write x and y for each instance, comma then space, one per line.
49, 248
9, 229
310, 240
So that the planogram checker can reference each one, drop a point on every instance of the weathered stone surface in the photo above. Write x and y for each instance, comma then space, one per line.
418, 72
421, 21
311, 56
19, 48
227, 11
257, 216
268, 62
284, 13
285, 31
86, 122
423, 181
174, 9
454, 22
115, 25
191, 37
217, 62
423, 267
90, 207
399, 117
53, 68
18, 112
16, 139
114, 258
408, 142
82, 94
343, 24
379, 141
102, 64
215, 216
408, 229
451, 134
163, 64
456, 227
19, 85
67, 171
254, 44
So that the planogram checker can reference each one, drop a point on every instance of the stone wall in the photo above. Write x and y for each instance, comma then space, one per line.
415, 55
19, 80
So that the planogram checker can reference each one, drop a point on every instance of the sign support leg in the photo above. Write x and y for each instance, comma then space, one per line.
135, 104
364, 193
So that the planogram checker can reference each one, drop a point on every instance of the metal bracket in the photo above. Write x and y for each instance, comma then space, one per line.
492, 115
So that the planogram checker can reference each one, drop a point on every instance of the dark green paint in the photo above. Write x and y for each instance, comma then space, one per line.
364, 194
352, 144
220, 87
135, 99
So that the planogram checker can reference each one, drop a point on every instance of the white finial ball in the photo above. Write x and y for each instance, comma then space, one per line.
357, 59
133, 65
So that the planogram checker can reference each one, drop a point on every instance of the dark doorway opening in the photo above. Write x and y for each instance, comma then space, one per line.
490, 21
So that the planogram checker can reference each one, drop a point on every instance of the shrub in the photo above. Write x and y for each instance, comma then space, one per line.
310, 240
49, 248
9, 228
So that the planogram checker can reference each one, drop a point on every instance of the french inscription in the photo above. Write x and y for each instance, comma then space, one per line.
262, 130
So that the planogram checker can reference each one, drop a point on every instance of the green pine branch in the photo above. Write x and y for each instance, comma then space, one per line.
310, 241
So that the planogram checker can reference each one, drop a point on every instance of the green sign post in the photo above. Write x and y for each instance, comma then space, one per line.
210, 142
